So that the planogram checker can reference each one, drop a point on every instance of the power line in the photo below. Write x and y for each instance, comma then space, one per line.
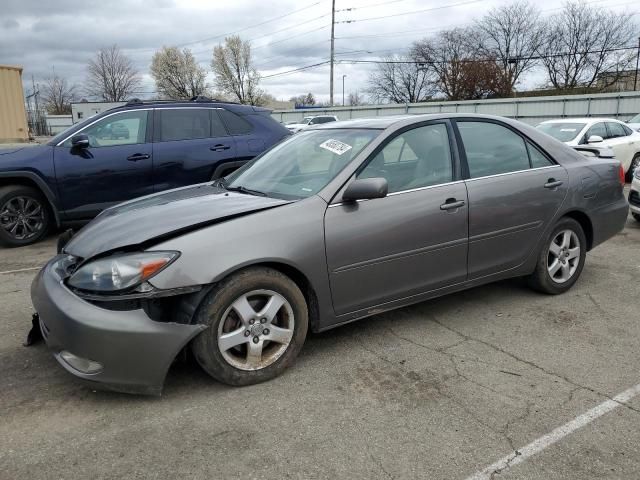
349, 9
287, 72
442, 7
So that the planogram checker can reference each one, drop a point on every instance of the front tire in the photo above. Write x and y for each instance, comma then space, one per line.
258, 321
561, 259
24, 216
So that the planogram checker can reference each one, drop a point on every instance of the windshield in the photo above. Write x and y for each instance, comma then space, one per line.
302, 165
635, 119
565, 132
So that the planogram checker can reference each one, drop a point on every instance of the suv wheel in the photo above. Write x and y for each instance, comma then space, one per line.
24, 216
561, 259
258, 322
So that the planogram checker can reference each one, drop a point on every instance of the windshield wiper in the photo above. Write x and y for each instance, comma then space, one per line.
243, 189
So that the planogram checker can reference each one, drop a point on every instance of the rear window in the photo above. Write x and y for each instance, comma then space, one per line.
236, 125
565, 132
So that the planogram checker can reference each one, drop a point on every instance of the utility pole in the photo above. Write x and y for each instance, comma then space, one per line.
343, 89
333, 26
635, 80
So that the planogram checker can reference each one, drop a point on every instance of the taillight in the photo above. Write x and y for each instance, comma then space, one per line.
621, 174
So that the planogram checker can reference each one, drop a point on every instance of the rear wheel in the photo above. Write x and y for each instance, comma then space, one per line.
635, 163
561, 259
24, 216
257, 321
636, 216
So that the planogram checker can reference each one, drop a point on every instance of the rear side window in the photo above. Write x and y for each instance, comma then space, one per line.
492, 149
184, 124
616, 130
236, 125
597, 129
538, 159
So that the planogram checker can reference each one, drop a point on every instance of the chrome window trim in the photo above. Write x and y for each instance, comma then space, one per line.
134, 110
512, 173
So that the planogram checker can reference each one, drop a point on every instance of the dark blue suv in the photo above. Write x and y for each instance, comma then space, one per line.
129, 151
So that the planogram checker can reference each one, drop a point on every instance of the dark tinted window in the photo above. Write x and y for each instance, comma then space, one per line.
414, 159
538, 159
217, 127
492, 149
184, 124
616, 130
236, 125
597, 129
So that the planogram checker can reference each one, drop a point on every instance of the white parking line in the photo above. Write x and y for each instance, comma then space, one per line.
520, 455
20, 270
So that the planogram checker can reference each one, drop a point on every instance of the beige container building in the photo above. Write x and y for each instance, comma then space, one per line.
13, 116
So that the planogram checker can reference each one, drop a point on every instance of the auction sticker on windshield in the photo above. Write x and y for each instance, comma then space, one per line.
335, 146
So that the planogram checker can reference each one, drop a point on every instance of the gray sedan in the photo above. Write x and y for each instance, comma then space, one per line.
338, 223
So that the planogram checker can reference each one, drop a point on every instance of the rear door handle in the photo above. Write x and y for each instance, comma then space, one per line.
452, 204
138, 156
219, 147
552, 183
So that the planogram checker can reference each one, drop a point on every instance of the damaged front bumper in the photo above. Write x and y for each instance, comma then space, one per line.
120, 350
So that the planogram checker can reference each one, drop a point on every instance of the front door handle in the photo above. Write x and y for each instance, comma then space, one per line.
452, 204
138, 156
552, 183
219, 147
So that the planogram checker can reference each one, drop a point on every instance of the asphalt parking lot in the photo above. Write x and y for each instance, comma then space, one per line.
440, 390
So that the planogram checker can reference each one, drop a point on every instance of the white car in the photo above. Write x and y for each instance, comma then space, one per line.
634, 195
634, 122
313, 120
612, 133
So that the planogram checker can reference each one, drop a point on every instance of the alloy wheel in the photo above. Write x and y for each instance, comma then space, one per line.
22, 217
256, 330
563, 256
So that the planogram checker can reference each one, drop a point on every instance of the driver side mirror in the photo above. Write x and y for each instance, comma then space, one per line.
595, 139
366, 189
80, 140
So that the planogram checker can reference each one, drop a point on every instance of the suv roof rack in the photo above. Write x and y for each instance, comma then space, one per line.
197, 98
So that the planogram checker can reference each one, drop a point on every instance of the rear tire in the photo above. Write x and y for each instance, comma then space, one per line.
635, 163
636, 216
248, 342
24, 216
561, 259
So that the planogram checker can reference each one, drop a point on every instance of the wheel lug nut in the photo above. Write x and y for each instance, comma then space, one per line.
256, 339
247, 333
263, 320
252, 321
265, 331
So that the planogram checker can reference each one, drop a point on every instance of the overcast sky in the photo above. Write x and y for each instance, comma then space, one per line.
65, 34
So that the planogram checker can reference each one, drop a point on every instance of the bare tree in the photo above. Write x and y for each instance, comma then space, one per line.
400, 79
582, 43
355, 99
177, 74
512, 34
58, 95
234, 70
461, 73
308, 99
111, 75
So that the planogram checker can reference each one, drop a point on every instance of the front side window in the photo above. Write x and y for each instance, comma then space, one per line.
417, 158
304, 164
126, 128
184, 124
597, 129
492, 149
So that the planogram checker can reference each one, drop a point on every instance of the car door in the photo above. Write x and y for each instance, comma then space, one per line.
190, 144
514, 191
114, 168
412, 241
623, 145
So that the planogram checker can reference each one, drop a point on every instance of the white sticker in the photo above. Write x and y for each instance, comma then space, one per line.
567, 129
335, 146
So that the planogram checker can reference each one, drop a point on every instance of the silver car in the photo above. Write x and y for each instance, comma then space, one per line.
338, 223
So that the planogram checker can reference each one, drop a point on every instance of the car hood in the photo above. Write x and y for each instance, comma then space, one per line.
296, 125
163, 215
8, 150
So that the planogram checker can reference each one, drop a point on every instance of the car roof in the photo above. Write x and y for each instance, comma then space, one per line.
583, 120
212, 103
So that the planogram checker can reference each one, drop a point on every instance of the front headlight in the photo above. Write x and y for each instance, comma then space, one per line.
636, 172
120, 272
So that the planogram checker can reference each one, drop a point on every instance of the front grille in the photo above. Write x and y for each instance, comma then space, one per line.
634, 198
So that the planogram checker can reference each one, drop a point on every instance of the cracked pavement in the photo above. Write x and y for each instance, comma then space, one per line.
438, 390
